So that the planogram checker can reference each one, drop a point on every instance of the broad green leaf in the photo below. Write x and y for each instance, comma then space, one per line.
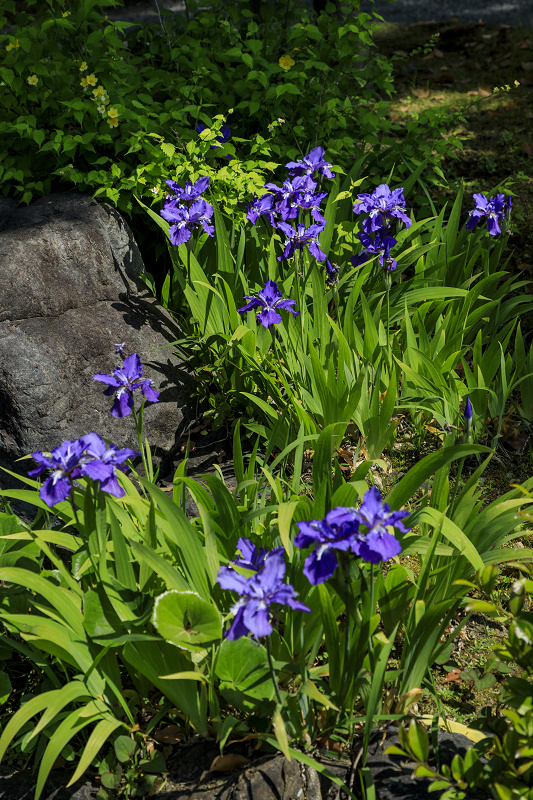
187, 621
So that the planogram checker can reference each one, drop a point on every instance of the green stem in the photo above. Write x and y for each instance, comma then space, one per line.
139, 429
272, 673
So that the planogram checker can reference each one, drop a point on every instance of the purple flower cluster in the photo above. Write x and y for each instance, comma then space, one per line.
494, 209
381, 207
269, 300
362, 532
259, 591
283, 205
187, 210
123, 381
88, 457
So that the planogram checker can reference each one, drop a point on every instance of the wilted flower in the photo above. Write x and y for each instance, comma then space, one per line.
332, 271
269, 299
313, 161
122, 383
382, 205
257, 594
184, 220
494, 209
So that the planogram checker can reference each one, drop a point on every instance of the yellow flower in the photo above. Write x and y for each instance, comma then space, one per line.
65, 14
517, 83
286, 62
98, 91
83, 83
91, 80
113, 123
12, 46
112, 112
83, 66
33, 80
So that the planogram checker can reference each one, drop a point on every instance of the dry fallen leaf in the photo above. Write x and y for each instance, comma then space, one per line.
228, 763
170, 735
526, 44
485, 91
437, 53
527, 66
452, 676
401, 53
421, 92
528, 148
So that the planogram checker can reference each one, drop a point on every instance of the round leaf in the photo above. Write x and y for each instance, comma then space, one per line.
187, 621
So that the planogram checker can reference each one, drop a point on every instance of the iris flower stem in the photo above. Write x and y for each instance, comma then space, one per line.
273, 674
139, 427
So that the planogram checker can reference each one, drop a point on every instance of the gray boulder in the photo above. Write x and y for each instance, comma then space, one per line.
69, 272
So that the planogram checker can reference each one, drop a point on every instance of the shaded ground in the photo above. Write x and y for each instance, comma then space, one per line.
461, 71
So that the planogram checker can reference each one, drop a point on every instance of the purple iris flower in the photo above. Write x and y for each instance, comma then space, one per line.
184, 220
285, 195
270, 299
494, 209
257, 594
310, 163
253, 557
101, 462
300, 237
65, 463
86, 457
122, 383
380, 246
468, 409
378, 544
259, 206
191, 192
381, 206
225, 134
336, 532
